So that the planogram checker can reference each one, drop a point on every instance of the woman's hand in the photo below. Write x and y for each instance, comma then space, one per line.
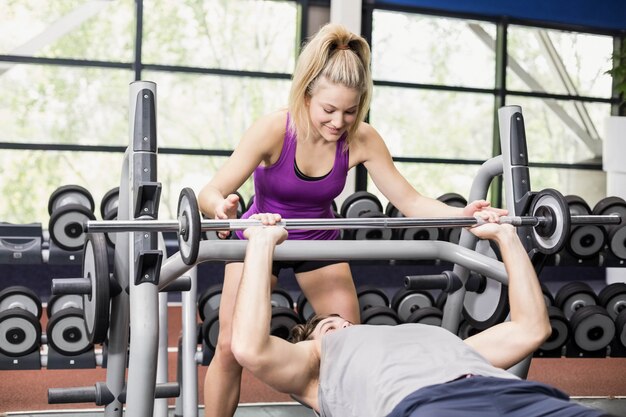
227, 210
483, 210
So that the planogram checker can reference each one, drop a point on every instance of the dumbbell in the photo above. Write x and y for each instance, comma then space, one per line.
618, 346
284, 318
455, 200
413, 233
20, 329
467, 330
209, 309
363, 204
613, 298
374, 307
304, 309
426, 315
585, 241
592, 332
573, 296
70, 207
108, 210
405, 302
65, 330
616, 240
553, 346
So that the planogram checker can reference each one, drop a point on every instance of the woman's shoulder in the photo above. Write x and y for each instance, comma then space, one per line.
366, 140
273, 123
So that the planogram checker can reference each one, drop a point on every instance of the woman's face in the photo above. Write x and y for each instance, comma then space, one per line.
332, 109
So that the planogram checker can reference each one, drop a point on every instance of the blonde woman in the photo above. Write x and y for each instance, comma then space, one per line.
300, 158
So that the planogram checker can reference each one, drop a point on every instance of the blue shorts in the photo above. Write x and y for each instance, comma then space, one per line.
480, 396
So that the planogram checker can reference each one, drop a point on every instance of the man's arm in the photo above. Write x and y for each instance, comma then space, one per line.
507, 343
284, 366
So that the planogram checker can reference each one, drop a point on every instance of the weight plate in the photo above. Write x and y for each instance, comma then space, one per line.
281, 298
283, 320
20, 332
560, 330
419, 233
211, 329
577, 205
209, 300
547, 295
573, 296
427, 315
359, 203
613, 298
611, 205
109, 202
550, 238
392, 211
372, 233
61, 302
586, 241
189, 232
112, 236
304, 308
66, 226
467, 330
617, 242
620, 328
592, 328
370, 297
453, 199
379, 315
70, 194
96, 305
66, 332
405, 302
18, 296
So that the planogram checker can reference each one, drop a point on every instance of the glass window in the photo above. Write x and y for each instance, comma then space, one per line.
542, 60
434, 124
69, 105
212, 112
557, 132
252, 35
432, 50
589, 185
91, 30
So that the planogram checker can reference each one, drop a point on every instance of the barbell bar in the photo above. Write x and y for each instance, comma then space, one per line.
551, 220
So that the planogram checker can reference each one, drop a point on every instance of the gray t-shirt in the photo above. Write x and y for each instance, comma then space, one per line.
367, 370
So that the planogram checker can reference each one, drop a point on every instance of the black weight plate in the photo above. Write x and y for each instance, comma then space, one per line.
109, 202
560, 330
467, 330
613, 298
60, 302
405, 302
66, 226
611, 205
96, 305
112, 236
209, 300
189, 233
283, 320
419, 233
211, 329
617, 241
372, 233
620, 328
304, 308
281, 298
573, 296
551, 204
18, 296
592, 328
427, 315
577, 205
70, 194
586, 241
370, 297
453, 199
547, 295
379, 315
66, 332
20, 332
392, 211
359, 203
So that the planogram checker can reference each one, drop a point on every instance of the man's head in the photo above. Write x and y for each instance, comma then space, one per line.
317, 327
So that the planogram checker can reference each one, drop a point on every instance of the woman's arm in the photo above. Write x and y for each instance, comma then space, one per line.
284, 366
507, 343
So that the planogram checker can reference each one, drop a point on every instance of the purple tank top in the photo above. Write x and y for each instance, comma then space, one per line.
279, 190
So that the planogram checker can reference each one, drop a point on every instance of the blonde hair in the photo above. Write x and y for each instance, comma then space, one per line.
339, 56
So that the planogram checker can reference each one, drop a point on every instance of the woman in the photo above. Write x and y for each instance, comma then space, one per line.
300, 158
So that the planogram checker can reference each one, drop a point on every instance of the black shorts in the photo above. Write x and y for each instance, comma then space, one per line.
297, 266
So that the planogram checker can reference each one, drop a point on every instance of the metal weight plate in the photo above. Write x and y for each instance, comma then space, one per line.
189, 233
96, 305
209, 300
372, 234
560, 330
283, 320
281, 298
620, 328
452, 234
380, 315
405, 302
550, 238
613, 298
617, 241
427, 315
20, 332
490, 304
611, 205
586, 241
304, 308
66, 332
211, 329
370, 297
66, 226
18, 296
109, 202
573, 296
577, 205
592, 328
467, 330
359, 203
61, 302
70, 194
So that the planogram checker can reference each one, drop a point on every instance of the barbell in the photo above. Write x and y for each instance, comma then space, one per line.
550, 221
